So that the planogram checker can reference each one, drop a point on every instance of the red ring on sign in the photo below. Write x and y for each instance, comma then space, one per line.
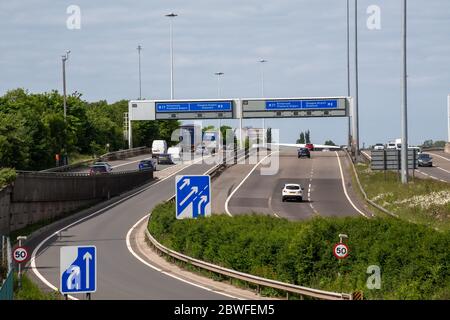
334, 250
24, 260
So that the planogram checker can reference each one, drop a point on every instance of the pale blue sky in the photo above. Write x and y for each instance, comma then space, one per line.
303, 40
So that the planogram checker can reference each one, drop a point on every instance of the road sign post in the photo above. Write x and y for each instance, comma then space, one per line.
193, 196
78, 270
20, 255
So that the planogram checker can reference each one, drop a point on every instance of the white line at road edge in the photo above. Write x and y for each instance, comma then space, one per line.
242, 182
434, 154
162, 271
345, 188
130, 249
33, 256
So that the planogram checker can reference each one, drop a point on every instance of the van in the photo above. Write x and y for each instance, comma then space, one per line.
159, 147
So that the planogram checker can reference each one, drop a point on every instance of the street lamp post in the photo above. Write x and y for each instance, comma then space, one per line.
218, 74
262, 61
404, 151
171, 16
64, 59
139, 48
355, 109
348, 68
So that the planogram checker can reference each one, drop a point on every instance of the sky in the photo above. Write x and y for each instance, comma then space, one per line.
304, 42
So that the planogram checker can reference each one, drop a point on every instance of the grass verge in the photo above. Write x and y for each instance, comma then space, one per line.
30, 291
422, 201
414, 259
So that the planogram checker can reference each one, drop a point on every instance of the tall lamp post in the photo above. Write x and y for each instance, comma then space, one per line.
64, 59
348, 70
262, 61
139, 48
355, 106
171, 16
218, 74
404, 151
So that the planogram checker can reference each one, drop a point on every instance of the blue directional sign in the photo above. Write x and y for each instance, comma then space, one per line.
206, 106
193, 196
301, 104
78, 269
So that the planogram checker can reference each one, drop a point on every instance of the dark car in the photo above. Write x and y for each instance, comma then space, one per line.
99, 169
425, 160
303, 152
147, 164
165, 158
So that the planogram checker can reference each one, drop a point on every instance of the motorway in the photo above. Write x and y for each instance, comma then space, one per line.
128, 164
123, 274
440, 170
320, 176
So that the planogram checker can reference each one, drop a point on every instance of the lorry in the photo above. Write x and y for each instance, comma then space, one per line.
190, 135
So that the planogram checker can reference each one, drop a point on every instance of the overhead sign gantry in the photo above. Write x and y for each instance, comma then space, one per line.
237, 109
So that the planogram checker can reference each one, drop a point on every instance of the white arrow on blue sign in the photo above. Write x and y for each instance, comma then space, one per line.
193, 196
78, 269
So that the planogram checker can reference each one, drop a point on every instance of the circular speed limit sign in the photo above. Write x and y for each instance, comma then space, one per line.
20, 254
340, 250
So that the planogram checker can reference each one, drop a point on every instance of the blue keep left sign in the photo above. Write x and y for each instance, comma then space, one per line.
193, 196
78, 269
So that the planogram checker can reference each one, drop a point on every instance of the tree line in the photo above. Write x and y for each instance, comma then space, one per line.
33, 129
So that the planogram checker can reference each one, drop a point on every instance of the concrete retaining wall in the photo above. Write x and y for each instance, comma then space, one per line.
37, 196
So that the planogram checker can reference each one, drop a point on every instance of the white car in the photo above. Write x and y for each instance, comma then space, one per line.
378, 146
292, 191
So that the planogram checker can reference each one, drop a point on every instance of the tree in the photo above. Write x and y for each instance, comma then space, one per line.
302, 138
329, 143
307, 137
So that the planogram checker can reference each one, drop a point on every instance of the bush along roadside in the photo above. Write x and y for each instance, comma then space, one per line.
7, 175
414, 260
423, 201
30, 291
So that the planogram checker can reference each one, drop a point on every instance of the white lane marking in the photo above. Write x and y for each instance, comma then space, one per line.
242, 182
435, 154
33, 256
345, 188
130, 249
367, 155
442, 169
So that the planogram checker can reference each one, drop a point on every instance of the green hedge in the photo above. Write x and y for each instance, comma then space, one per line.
7, 176
414, 259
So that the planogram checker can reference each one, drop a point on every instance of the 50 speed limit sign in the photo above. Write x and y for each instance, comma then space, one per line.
20, 254
340, 250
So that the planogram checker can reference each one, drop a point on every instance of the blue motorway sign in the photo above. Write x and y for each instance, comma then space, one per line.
78, 269
208, 106
300, 104
193, 196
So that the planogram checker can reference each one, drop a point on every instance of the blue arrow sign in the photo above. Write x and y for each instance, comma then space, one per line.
78, 269
211, 106
193, 196
300, 104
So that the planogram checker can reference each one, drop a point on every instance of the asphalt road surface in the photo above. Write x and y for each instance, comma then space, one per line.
441, 166
120, 274
320, 177
129, 164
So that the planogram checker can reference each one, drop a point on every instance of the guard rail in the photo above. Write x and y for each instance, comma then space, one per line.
259, 281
